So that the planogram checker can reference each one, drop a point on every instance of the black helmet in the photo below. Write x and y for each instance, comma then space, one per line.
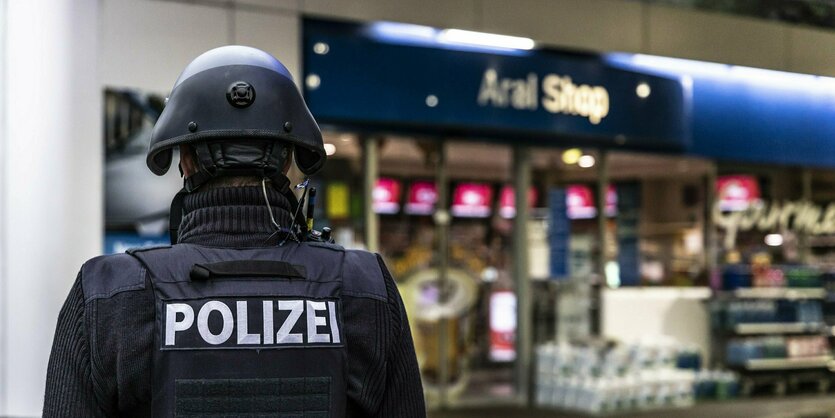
239, 108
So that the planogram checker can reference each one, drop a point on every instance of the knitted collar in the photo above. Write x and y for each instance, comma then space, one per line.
234, 217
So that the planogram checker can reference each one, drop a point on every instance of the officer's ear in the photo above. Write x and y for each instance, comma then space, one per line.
188, 164
288, 161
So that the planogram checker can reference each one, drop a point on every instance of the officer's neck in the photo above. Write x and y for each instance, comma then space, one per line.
233, 217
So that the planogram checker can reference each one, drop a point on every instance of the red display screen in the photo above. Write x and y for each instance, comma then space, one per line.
423, 195
736, 193
507, 201
581, 203
386, 196
472, 200
503, 326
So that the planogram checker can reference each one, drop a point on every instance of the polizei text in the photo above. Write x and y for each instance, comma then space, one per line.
249, 323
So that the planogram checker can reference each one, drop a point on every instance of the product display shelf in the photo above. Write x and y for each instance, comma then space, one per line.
763, 364
773, 337
778, 328
786, 293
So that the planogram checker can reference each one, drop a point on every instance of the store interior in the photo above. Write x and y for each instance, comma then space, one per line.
680, 305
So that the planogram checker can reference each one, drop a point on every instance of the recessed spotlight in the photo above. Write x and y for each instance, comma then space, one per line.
774, 240
313, 81
643, 91
321, 48
586, 161
571, 156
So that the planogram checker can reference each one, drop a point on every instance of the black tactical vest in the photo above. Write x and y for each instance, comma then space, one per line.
250, 332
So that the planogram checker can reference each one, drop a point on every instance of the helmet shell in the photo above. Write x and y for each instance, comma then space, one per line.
235, 93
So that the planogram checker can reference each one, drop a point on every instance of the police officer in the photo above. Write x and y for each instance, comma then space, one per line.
249, 313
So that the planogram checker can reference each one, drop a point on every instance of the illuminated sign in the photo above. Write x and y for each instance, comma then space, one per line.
737, 192
580, 202
503, 326
386, 196
423, 195
399, 78
558, 95
805, 217
507, 201
472, 200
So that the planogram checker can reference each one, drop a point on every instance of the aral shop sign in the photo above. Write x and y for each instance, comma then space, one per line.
799, 216
556, 94
376, 76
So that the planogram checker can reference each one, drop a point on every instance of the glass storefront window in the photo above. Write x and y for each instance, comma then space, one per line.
464, 322
655, 215
667, 196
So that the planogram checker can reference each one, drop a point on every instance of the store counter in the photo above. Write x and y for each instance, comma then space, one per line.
639, 314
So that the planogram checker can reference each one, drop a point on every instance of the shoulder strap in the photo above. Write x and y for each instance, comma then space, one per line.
362, 276
175, 216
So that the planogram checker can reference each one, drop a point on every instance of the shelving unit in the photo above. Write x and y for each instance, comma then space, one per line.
778, 374
763, 364
786, 293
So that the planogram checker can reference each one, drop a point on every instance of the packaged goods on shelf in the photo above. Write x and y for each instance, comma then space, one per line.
736, 276
741, 351
803, 276
716, 385
605, 379
763, 311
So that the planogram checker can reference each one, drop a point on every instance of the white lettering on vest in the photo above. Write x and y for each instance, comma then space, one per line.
284, 336
313, 322
203, 322
244, 337
320, 324
171, 323
268, 322
334, 322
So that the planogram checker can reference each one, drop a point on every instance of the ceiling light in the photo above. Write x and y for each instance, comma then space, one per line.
586, 161
313, 81
571, 156
330, 149
643, 90
774, 240
396, 30
466, 37
321, 48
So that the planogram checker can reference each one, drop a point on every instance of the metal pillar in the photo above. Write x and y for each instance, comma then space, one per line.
522, 183
711, 246
442, 220
370, 154
602, 238
803, 237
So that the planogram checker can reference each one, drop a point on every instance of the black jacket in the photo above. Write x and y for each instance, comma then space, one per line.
101, 356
